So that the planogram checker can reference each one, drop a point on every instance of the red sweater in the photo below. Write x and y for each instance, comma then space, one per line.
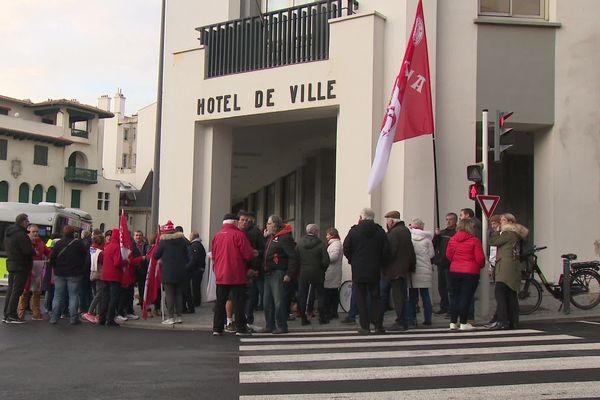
231, 250
465, 253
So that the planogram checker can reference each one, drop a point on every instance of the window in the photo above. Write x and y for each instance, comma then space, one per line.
103, 201
3, 149
40, 155
37, 195
51, 195
125, 133
75, 198
513, 8
4, 110
273, 5
100, 200
3, 191
288, 197
124, 161
106, 201
24, 193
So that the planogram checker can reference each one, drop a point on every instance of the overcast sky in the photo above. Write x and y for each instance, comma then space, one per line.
80, 49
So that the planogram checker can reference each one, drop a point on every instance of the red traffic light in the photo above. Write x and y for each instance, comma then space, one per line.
504, 117
474, 190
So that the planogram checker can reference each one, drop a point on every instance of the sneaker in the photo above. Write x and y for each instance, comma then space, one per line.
243, 333
119, 319
466, 327
253, 328
168, 321
230, 328
132, 317
4, 319
11, 320
453, 326
217, 333
491, 325
178, 320
89, 318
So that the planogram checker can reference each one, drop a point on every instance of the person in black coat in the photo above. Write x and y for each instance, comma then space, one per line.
139, 249
367, 249
173, 251
440, 243
195, 270
68, 262
256, 283
19, 253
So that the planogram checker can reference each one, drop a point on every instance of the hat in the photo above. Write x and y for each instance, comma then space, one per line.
168, 227
230, 217
393, 214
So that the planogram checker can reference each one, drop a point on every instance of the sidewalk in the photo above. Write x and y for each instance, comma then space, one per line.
201, 320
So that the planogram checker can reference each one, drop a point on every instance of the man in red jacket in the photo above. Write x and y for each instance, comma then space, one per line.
231, 251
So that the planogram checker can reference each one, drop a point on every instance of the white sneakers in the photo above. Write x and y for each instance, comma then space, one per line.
453, 326
132, 317
120, 319
466, 327
168, 321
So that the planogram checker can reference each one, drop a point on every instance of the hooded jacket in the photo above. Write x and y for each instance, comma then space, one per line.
112, 263
508, 270
402, 252
174, 252
281, 253
424, 251
367, 249
231, 251
333, 275
314, 260
19, 249
465, 253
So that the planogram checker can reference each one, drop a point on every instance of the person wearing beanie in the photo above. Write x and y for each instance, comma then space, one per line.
231, 252
174, 253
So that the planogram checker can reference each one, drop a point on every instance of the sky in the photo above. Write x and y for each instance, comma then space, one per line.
80, 49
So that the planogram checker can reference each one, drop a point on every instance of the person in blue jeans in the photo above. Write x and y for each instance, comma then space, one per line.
68, 261
280, 265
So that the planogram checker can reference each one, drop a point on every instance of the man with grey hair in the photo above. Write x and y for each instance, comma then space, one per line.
314, 261
397, 270
367, 249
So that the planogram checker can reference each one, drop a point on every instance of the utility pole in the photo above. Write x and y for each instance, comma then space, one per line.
484, 281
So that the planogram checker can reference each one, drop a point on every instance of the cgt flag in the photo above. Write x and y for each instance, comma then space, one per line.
124, 237
409, 113
153, 279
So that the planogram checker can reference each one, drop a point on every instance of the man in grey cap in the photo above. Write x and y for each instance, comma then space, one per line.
402, 261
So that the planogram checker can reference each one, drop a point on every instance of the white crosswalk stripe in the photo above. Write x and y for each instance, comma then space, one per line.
469, 365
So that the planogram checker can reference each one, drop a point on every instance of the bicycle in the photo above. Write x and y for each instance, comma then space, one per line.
584, 285
345, 295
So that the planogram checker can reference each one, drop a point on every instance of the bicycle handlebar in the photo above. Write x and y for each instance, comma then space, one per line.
536, 249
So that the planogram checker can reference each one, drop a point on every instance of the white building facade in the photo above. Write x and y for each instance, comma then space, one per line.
279, 112
52, 151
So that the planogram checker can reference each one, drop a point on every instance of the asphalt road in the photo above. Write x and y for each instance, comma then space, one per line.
40, 361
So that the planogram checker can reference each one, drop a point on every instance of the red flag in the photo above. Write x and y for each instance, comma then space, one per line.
124, 237
153, 279
409, 112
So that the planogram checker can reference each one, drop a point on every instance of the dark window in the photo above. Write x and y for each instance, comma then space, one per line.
269, 201
3, 149
40, 155
38, 194
51, 194
288, 197
24, 193
3, 191
106, 201
4, 110
100, 198
75, 198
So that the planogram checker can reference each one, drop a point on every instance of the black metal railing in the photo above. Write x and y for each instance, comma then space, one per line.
288, 36
81, 175
79, 133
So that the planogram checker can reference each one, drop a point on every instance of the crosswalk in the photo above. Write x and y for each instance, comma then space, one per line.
423, 364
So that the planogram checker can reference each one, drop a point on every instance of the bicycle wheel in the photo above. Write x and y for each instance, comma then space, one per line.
530, 296
346, 295
585, 289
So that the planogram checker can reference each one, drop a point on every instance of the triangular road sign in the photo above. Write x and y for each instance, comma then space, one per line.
488, 204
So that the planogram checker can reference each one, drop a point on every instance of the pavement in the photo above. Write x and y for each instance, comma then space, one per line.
201, 320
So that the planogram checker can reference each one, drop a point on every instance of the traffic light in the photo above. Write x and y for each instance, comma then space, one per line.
475, 173
499, 131
474, 190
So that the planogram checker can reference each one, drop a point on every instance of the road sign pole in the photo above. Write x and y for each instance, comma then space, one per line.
484, 287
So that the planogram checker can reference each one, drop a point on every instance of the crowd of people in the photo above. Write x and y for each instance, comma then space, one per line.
254, 269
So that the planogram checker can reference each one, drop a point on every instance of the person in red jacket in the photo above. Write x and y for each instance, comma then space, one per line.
231, 251
112, 273
466, 260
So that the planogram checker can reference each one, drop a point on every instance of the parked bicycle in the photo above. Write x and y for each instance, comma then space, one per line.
346, 295
584, 285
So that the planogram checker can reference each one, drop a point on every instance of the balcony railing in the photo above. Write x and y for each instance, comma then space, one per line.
79, 133
288, 36
81, 175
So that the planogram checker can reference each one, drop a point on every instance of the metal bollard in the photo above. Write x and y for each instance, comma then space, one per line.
566, 285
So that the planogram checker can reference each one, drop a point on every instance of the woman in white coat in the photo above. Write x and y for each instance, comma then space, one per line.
422, 277
333, 274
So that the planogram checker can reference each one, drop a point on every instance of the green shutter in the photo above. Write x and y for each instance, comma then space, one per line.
38, 194
24, 193
3, 191
51, 195
75, 198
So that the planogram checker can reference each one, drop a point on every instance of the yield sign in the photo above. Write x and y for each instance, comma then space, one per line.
488, 204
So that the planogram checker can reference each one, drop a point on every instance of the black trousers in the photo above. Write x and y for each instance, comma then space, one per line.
126, 301
507, 305
442, 274
110, 302
364, 291
463, 290
316, 290
238, 293
197, 287
188, 300
399, 298
332, 299
16, 284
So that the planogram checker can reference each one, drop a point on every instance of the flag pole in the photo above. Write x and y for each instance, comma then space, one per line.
435, 182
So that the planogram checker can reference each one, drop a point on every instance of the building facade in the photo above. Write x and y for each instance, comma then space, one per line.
52, 151
279, 111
